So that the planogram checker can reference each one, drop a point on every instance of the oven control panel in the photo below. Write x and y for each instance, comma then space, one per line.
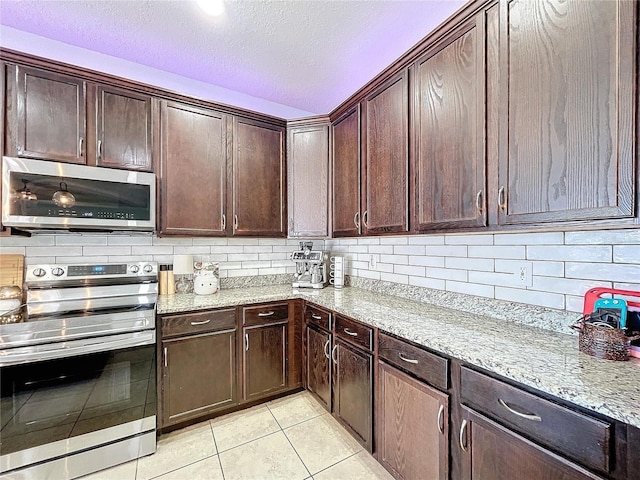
48, 273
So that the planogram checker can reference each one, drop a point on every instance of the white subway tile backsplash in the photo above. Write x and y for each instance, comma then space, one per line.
596, 253
56, 251
470, 288
106, 250
384, 267
395, 278
127, 240
243, 241
427, 240
542, 238
210, 241
532, 297
369, 274
548, 269
395, 259
257, 249
152, 250
13, 250
497, 251
359, 264
130, 258
394, 240
245, 272
409, 270
436, 283
409, 249
191, 250
369, 241
273, 256
603, 237
481, 264
45, 260
226, 249
272, 241
386, 249
446, 273
626, 253
568, 286
493, 278
257, 264
272, 271
634, 287
62, 240
358, 249
242, 257
574, 304
468, 239
426, 261
614, 272
447, 250
34, 241
80, 259
172, 241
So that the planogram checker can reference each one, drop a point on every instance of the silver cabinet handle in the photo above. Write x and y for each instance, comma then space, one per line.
463, 436
317, 317
350, 333
441, 419
528, 416
502, 199
408, 360
165, 357
267, 314
479, 201
99, 148
246, 342
80, 142
224, 222
356, 219
333, 357
235, 221
204, 322
326, 348
365, 217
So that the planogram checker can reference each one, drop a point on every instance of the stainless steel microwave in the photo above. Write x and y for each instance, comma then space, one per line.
39, 194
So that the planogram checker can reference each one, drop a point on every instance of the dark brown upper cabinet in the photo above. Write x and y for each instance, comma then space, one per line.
123, 129
386, 157
448, 121
567, 121
259, 179
346, 174
50, 116
308, 174
193, 169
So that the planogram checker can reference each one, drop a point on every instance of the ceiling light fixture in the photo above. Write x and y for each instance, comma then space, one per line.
215, 8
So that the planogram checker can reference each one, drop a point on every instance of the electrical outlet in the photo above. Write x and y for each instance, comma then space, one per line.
372, 261
523, 274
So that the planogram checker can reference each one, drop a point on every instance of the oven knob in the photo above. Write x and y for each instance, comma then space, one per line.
57, 271
39, 272
134, 269
148, 268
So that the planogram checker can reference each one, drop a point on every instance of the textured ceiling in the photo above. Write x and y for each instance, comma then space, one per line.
309, 55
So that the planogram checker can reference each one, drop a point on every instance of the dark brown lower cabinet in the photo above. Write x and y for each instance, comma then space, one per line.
413, 426
352, 390
199, 375
265, 360
318, 364
493, 452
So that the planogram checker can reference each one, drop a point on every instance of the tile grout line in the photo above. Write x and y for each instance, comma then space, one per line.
217, 451
340, 461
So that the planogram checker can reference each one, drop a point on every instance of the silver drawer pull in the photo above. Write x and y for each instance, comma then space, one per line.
350, 333
408, 360
204, 322
463, 436
528, 416
267, 314
316, 317
441, 419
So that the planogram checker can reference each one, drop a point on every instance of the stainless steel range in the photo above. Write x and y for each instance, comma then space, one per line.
78, 372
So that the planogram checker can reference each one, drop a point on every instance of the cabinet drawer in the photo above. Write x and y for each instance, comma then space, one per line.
425, 365
318, 317
275, 312
572, 434
191, 323
354, 332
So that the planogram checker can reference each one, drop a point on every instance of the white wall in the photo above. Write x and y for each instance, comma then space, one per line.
561, 266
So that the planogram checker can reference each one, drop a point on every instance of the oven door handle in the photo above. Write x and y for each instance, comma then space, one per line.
51, 351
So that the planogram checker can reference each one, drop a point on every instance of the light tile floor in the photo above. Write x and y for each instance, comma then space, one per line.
292, 438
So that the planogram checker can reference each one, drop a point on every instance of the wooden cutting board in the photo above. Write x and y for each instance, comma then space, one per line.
11, 270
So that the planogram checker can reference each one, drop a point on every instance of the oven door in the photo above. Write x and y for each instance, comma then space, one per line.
92, 397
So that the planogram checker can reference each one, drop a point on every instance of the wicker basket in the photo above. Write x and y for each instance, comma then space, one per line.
603, 342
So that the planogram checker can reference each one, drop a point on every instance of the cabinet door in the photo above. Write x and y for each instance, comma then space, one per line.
492, 452
567, 112
353, 391
413, 427
318, 364
386, 157
265, 360
449, 127
199, 375
51, 116
193, 166
259, 203
123, 129
308, 164
346, 174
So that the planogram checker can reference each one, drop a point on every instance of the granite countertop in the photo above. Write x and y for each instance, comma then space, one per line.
546, 360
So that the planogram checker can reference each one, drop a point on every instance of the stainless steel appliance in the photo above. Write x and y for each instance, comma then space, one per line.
39, 194
78, 372
311, 267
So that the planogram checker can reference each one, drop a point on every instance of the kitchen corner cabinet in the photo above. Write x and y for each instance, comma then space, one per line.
386, 157
346, 174
567, 113
265, 350
123, 129
259, 179
198, 372
448, 121
193, 169
50, 115
308, 179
